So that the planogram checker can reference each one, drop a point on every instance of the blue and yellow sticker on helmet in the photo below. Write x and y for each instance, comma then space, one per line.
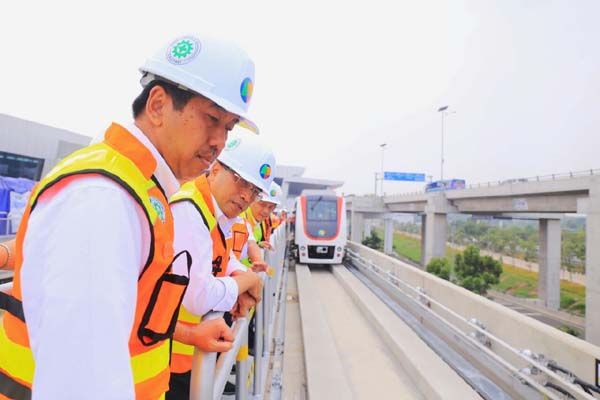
265, 171
246, 90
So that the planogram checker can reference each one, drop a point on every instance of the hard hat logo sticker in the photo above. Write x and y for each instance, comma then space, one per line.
273, 193
321, 232
265, 171
246, 90
183, 50
232, 144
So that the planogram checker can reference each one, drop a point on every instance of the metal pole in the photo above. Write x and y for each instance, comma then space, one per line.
203, 369
382, 151
258, 344
442, 163
375, 189
382, 145
241, 370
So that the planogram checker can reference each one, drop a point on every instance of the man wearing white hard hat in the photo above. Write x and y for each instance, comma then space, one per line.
205, 210
256, 217
93, 277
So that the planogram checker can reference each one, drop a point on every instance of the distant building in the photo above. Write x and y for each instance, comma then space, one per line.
29, 149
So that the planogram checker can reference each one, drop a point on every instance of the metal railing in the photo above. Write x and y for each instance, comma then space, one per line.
8, 224
540, 373
210, 375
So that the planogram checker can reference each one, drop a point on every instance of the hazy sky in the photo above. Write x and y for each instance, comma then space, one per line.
334, 79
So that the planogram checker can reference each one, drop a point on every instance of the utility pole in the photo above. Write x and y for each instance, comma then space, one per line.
382, 145
444, 111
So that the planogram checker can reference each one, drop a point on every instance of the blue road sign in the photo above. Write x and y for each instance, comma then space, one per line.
403, 176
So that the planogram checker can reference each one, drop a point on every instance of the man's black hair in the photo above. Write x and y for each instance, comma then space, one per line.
180, 97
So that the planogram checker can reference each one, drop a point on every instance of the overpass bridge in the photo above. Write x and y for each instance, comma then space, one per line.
544, 199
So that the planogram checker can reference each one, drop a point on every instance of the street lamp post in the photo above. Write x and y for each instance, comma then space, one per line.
382, 145
444, 111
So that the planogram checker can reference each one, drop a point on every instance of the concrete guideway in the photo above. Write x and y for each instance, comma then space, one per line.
351, 338
508, 347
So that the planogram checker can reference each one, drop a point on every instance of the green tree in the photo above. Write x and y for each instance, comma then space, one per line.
373, 241
439, 267
474, 272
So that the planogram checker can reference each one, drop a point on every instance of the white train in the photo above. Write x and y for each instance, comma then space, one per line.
320, 227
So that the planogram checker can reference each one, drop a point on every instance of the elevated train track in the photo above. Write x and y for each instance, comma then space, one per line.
366, 333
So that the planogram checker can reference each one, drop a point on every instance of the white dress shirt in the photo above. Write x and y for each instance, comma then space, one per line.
205, 292
83, 252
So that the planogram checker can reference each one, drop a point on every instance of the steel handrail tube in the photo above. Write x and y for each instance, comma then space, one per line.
202, 377
226, 360
210, 375
258, 332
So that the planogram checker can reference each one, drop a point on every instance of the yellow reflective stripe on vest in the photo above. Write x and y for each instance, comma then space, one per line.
19, 360
189, 191
181, 348
96, 158
246, 262
185, 316
150, 363
16, 359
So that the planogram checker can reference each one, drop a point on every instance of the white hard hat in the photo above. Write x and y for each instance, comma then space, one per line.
274, 194
249, 156
216, 69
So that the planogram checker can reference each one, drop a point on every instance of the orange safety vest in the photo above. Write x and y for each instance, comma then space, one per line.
239, 238
198, 193
124, 159
266, 228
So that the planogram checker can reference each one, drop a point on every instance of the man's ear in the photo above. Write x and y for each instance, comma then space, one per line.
158, 100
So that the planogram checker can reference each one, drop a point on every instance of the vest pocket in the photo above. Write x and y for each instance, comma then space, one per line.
160, 317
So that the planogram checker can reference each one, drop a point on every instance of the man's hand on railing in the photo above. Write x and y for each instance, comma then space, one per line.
256, 289
260, 266
243, 305
266, 245
208, 336
7, 255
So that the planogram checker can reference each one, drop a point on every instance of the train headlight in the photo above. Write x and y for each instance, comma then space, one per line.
302, 248
339, 248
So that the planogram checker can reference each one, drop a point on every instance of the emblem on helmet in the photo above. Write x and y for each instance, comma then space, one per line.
183, 50
246, 90
265, 171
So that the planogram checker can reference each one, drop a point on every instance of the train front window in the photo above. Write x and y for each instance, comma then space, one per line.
321, 216
321, 210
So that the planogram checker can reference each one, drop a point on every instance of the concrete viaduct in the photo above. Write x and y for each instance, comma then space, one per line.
544, 200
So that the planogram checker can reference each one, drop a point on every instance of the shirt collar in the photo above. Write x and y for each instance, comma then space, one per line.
224, 222
163, 173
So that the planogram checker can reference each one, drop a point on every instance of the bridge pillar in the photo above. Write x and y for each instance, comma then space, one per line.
423, 234
388, 236
435, 237
549, 262
592, 264
356, 227
367, 232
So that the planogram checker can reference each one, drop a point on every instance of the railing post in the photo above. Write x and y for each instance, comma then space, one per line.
241, 370
203, 369
258, 343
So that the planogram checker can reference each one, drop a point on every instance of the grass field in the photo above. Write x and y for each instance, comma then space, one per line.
513, 281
